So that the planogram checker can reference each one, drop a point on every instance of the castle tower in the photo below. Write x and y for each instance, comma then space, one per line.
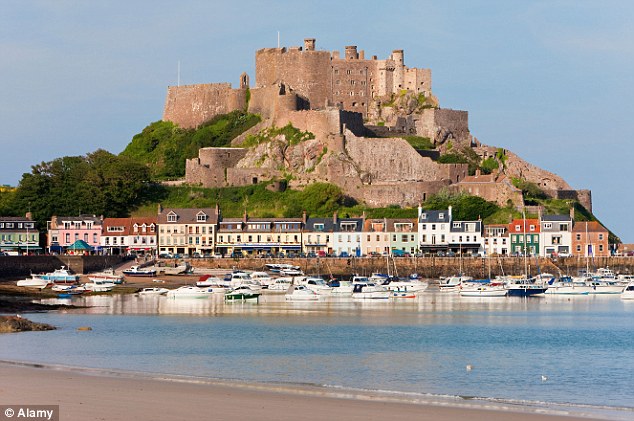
351, 52
399, 71
309, 44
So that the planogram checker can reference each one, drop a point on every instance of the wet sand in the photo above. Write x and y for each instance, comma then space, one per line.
86, 394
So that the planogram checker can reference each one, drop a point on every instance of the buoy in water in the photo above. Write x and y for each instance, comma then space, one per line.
84, 328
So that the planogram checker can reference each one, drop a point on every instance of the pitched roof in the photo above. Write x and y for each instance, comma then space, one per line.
127, 224
188, 215
520, 223
593, 226
435, 216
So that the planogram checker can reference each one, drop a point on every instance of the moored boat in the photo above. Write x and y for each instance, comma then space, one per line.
628, 292
370, 291
106, 275
153, 291
138, 271
188, 291
60, 276
301, 293
99, 286
524, 287
482, 290
242, 293
34, 281
566, 285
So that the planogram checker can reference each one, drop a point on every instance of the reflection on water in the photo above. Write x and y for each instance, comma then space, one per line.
434, 304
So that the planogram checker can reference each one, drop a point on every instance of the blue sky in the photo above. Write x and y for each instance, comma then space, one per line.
553, 81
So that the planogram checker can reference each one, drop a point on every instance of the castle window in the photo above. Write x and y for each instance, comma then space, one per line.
351, 93
348, 72
336, 71
337, 82
361, 71
353, 82
354, 104
255, 180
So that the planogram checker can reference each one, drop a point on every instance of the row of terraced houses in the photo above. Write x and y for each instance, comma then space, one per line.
204, 232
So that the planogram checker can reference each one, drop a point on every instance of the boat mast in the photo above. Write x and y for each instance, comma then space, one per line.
525, 262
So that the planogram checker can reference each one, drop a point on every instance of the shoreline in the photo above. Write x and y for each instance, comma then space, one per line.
93, 393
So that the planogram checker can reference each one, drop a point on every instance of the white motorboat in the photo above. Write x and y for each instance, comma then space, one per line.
240, 278
605, 286
188, 291
452, 283
99, 286
482, 290
262, 278
34, 281
174, 270
107, 275
153, 291
568, 286
411, 285
341, 288
318, 285
628, 292
370, 291
301, 293
281, 284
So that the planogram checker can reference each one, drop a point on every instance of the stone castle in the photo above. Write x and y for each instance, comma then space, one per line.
357, 109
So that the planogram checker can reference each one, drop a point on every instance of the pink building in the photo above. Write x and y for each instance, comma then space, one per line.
63, 231
375, 241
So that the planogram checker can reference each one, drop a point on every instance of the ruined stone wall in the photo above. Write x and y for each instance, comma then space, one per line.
584, 197
191, 105
211, 166
246, 176
306, 72
442, 124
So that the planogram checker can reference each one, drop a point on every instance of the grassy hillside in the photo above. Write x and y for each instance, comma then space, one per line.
164, 147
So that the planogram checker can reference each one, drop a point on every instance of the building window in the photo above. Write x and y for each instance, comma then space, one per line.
600, 247
578, 248
171, 217
548, 225
578, 237
600, 237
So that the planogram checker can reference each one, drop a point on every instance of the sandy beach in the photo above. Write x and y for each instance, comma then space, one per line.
86, 394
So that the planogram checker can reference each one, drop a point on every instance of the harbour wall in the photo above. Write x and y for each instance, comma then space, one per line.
426, 267
14, 266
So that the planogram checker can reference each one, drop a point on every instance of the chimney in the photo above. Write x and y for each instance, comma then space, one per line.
160, 209
217, 211
244, 216
450, 218
420, 210
304, 217
29, 216
334, 218
363, 215
572, 212
362, 55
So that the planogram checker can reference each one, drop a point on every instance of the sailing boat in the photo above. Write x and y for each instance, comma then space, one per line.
524, 286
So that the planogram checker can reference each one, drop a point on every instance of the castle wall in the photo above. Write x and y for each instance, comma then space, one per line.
437, 124
418, 81
500, 193
402, 194
191, 105
273, 100
306, 72
390, 160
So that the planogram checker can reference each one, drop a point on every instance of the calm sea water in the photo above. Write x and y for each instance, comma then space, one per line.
584, 345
